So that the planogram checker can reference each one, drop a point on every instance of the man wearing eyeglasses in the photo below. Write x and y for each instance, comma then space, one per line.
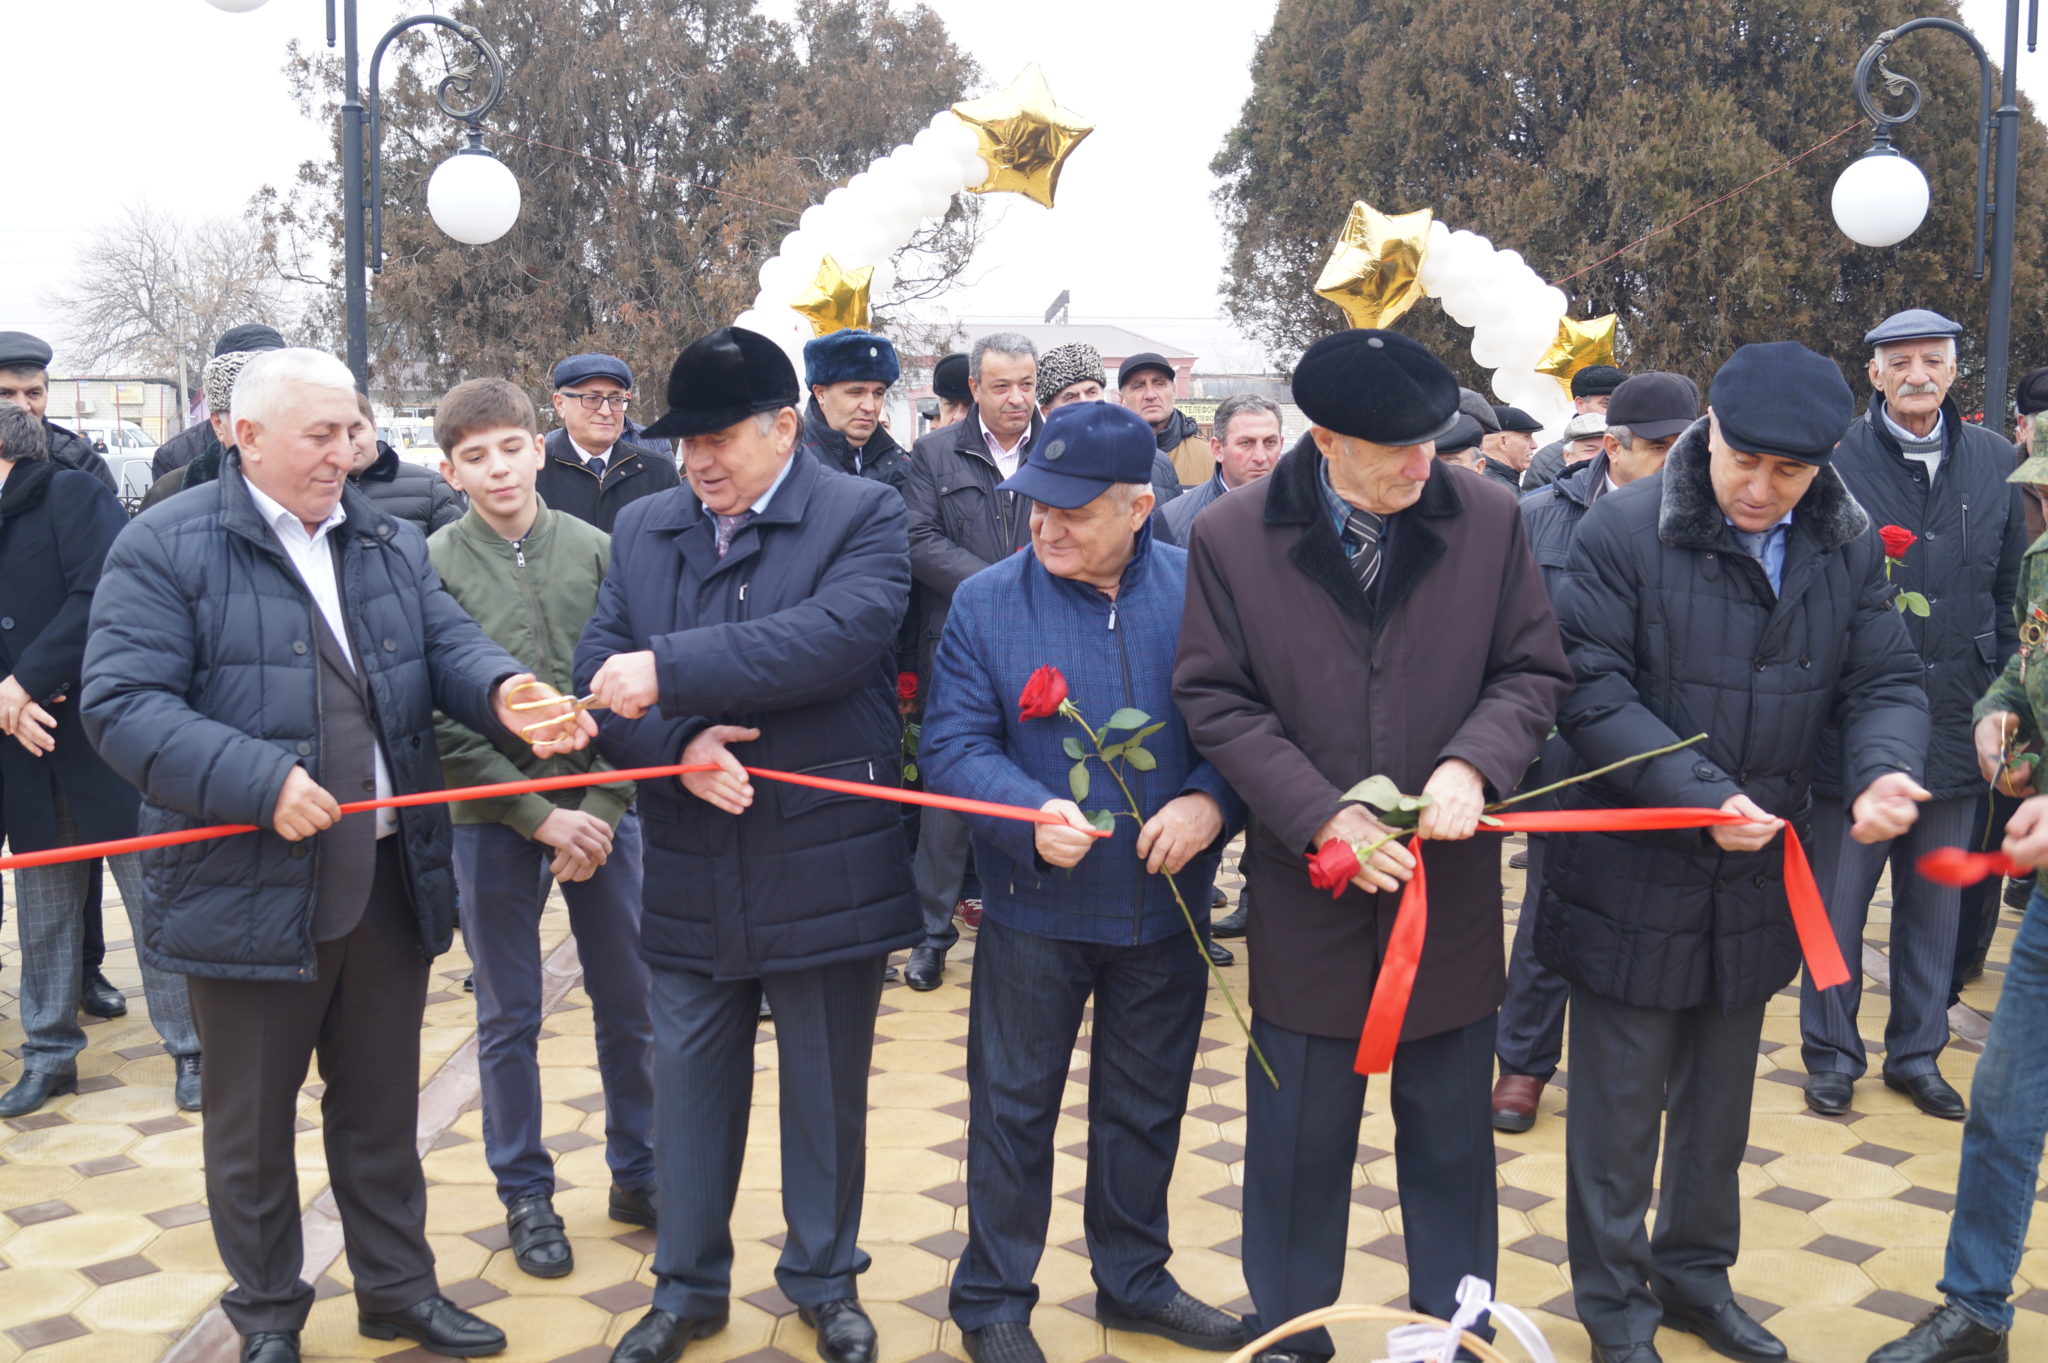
595, 464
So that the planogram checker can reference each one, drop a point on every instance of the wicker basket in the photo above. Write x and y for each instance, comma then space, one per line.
1332, 1315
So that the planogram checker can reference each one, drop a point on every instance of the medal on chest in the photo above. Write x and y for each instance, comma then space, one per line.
2033, 635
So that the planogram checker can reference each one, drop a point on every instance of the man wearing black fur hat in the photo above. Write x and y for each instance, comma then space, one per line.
1740, 592
749, 616
205, 439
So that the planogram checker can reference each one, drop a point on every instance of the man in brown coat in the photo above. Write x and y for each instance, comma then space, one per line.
1360, 611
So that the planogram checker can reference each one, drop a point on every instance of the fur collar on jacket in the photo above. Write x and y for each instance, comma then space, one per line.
1690, 518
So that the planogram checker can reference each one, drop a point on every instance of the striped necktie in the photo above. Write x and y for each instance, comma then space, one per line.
1362, 531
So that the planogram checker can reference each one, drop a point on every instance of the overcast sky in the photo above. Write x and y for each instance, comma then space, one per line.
178, 103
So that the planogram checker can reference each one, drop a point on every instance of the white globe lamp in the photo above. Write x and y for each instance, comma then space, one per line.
473, 197
1880, 199
237, 6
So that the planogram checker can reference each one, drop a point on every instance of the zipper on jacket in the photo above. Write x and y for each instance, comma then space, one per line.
1130, 698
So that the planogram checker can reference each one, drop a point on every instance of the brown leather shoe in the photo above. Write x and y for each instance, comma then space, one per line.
1514, 1102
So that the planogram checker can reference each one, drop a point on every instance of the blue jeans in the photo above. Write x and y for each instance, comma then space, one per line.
1024, 1015
2002, 1138
504, 885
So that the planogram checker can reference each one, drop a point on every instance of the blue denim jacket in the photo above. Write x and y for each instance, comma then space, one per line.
1007, 621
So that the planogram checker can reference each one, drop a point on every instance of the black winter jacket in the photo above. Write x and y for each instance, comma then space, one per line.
959, 523
881, 459
791, 633
1973, 532
1672, 630
202, 689
1551, 515
182, 448
70, 450
631, 471
409, 492
56, 525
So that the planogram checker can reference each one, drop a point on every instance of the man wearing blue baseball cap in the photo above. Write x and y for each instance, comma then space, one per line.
1739, 593
596, 462
1066, 915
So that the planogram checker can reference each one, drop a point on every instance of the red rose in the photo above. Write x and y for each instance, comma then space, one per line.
1043, 694
906, 686
1332, 866
1897, 540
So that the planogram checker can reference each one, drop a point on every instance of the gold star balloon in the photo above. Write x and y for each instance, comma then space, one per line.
1025, 137
1373, 275
1579, 345
837, 300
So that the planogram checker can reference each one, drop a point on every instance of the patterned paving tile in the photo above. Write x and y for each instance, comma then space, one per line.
102, 1191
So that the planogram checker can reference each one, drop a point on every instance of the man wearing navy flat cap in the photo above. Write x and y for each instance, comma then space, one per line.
598, 461
750, 616
1510, 446
1366, 610
25, 382
1067, 917
1910, 460
1738, 593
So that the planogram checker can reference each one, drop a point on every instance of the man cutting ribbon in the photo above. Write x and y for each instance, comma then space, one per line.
1365, 610
1739, 593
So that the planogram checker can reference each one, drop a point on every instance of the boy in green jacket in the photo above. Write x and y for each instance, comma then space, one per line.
530, 577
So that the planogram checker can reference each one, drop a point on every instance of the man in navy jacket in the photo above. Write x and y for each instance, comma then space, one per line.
1067, 915
751, 616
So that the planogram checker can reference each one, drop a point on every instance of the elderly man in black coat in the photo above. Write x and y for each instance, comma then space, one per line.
749, 616
264, 647
1913, 463
1739, 593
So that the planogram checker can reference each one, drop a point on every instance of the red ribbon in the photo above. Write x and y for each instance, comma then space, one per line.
1389, 1008
89, 850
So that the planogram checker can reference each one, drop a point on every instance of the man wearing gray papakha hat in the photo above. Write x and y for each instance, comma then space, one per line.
25, 382
1912, 462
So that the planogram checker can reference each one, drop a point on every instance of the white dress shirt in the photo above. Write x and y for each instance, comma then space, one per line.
586, 456
314, 560
1006, 460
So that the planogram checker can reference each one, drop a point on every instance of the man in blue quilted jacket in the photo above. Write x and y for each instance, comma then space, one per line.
1068, 915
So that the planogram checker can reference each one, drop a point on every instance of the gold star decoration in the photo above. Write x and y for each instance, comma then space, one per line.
837, 300
1025, 137
1373, 275
1579, 345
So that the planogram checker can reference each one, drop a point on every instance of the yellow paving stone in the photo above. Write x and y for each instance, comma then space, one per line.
23, 1184
1827, 1332
185, 1249
156, 1302
103, 1347
1765, 1225
1887, 1224
1807, 1279
178, 1149
75, 1241
1537, 1173
1806, 1134
568, 1051
899, 1272
72, 1143
915, 1090
331, 1333
909, 1129
36, 1291
132, 1189
1837, 1176
1934, 1171
892, 1171
138, 1100
919, 1057
464, 1207
1911, 1271
457, 1258
463, 1163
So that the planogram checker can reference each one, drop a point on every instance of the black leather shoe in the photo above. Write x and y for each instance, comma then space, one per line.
1932, 1094
186, 1091
36, 1087
1230, 924
659, 1336
1727, 1329
1828, 1093
437, 1325
927, 968
1182, 1319
634, 1206
1627, 1353
1006, 1341
538, 1245
100, 998
1218, 898
1219, 953
1285, 1356
271, 1347
845, 1334
1947, 1334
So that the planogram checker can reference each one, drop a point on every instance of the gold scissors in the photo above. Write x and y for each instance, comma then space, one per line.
577, 705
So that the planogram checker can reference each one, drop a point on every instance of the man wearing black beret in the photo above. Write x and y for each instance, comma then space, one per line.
750, 616
950, 387
1591, 389
1365, 609
25, 382
1740, 593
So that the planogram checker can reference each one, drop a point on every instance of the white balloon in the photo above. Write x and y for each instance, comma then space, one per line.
1436, 259
883, 279
753, 319
1556, 302
802, 250
974, 170
1484, 351
960, 139
778, 277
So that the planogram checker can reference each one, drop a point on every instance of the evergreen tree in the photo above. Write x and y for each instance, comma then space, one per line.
695, 133
1566, 128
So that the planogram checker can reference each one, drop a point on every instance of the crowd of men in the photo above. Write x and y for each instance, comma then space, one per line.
764, 579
